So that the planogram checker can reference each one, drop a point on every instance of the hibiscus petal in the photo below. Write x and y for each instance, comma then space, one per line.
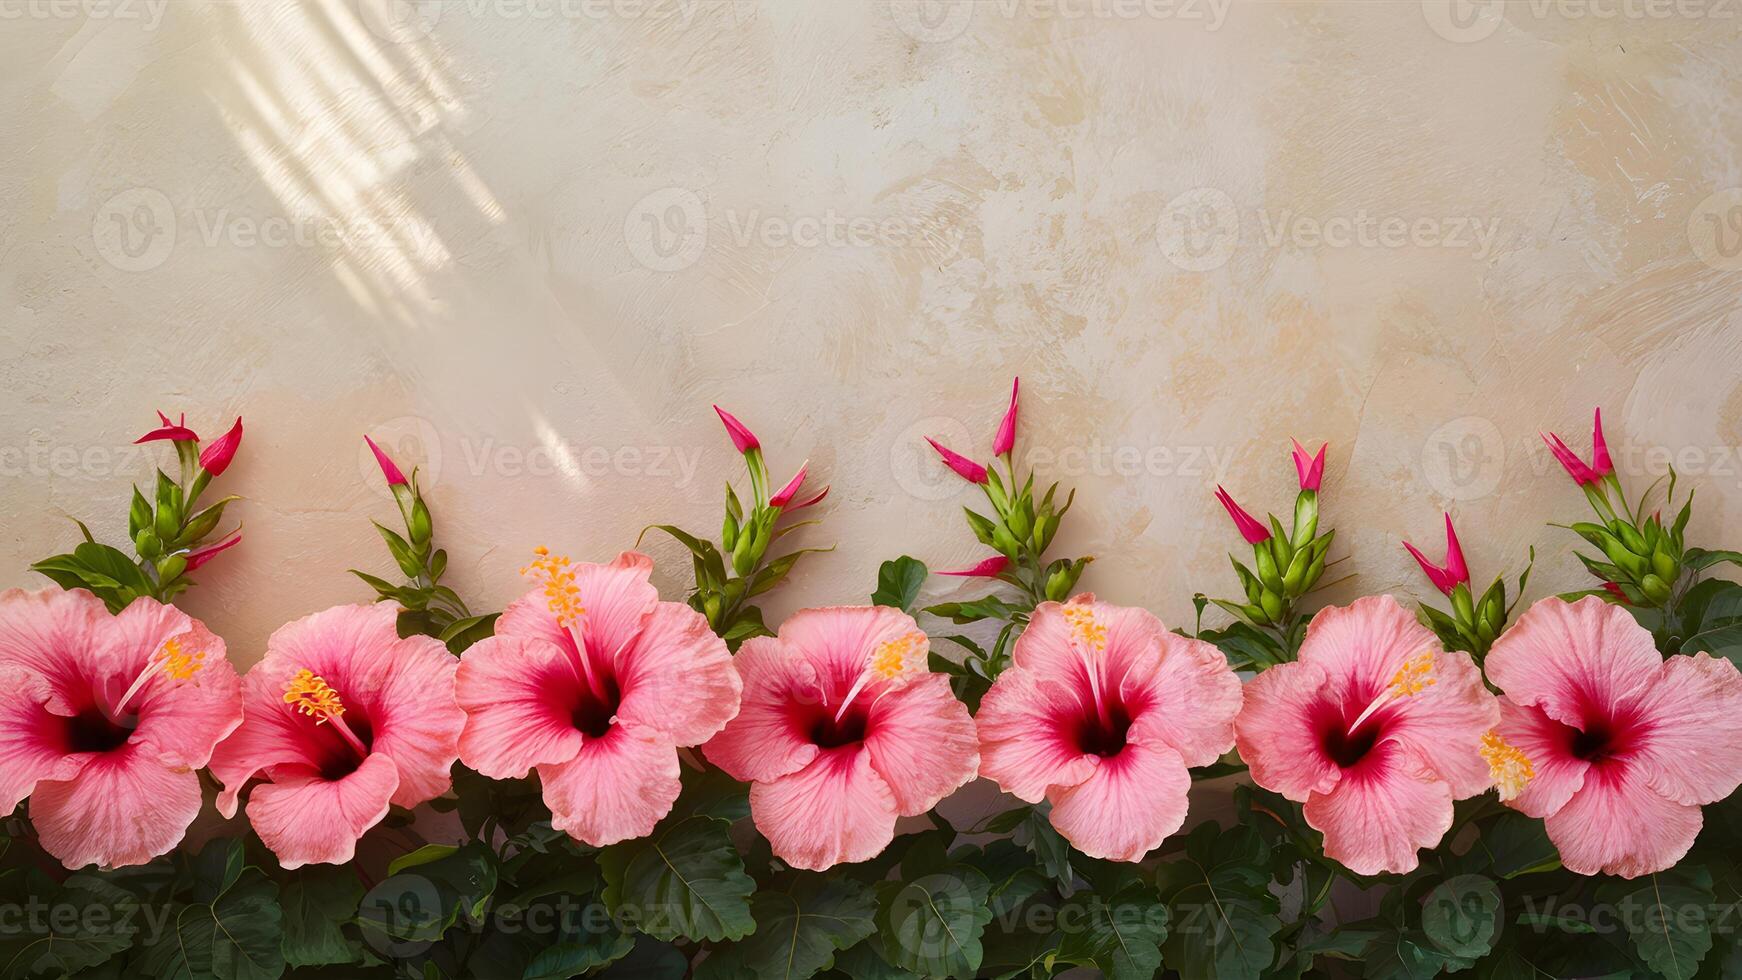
305, 819
1047, 647
1190, 699
1691, 738
676, 677
32, 738
1567, 656
1277, 732
766, 740
616, 596
519, 696
1382, 811
1444, 723
1026, 741
839, 640
1128, 806
1556, 774
922, 742
182, 720
51, 634
837, 809
123, 808
615, 789
1618, 824
1362, 645
416, 718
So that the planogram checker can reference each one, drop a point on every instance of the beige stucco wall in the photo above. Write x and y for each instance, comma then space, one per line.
531, 240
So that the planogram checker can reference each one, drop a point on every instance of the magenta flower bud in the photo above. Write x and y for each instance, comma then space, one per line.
965, 468
1454, 573
988, 568
1599, 448
215, 458
742, 438
786, 493
173, 431
1582, 475
801, 505
1006, 438
199, 556
388, 469
1310, 468
1250, 529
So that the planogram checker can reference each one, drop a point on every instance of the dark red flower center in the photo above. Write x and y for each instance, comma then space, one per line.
337, 758
92, 731
594, 710
1104, 736
827, 732
1347, 748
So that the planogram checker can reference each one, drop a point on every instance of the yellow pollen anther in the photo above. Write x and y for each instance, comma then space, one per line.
1510, 768
900, 657
1083, 625
561, 595
179, 664
311, 696
1415, 676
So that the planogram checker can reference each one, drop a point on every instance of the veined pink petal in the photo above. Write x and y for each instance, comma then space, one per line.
1382, 811
921, 740
180, 720
1129, 804
1565, 657
32, 743
965, 468
1692, 752
617, 788
985, 568
1005, 440
835, 810
304, 818
766, 741
616, 597
215, 458
388, 468
742, 438
1279, 732
676, 677
518, 695
1189, 700
1616, 824
839, 640
123, 808
1556, 774
1444, 723
1250, 529
1026, 743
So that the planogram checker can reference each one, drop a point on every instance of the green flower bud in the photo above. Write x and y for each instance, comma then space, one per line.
147, 543
1664, 566
1266, 565
1656, 589
170, 567
1272, 605
420, 525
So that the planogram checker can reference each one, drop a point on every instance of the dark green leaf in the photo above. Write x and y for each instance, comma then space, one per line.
898, 583
317, 900
932, 925
685, 880
798, 932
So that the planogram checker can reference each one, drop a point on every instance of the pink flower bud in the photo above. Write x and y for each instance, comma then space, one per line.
215, 458
786, 493
199, 556
988, 568
1582, 475
388, 469
1006, 438
801, 505
1250, 529
965, 468
742, 438
173, 431
1310, 468
1454, 573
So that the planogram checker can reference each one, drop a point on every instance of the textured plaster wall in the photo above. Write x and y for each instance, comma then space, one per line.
527, 242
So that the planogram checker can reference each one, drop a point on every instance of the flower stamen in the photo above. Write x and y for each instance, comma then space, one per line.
562, 596
176, 663
1090, 636
1415, 676
895, 662
310, 694
1509, 766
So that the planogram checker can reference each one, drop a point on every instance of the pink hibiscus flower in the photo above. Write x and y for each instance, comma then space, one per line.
1375, 728
105, 721
1102, 712
844, 729
1614, 746
341, 719
595, 683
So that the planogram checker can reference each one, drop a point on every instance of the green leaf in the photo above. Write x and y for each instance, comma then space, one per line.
650, 960
462, 633
1403, 955
1518, 845
1047, 845
771, 574
105, 924
1712, 618
1699, 558
932, 925
238, 936
1669, 939
1461, 915
685, 880
422, 901
427, 854
974, 610
1223, 916
898, 583
864, 962
1121, 936
317, 900
798, 932
713, 564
